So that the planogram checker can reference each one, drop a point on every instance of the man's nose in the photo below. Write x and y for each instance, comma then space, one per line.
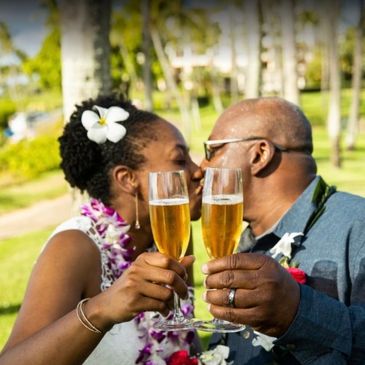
198, 173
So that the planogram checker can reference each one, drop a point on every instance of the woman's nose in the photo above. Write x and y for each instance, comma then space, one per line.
197, 172
203, 165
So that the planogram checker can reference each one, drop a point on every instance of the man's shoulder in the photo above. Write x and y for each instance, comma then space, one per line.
344, 212
347, 203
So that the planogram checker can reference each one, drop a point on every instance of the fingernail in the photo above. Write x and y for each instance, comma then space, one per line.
186, 276
205, 269
204, 296
205, 282
193, 257
209, 305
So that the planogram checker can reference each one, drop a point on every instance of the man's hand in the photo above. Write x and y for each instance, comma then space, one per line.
266, 297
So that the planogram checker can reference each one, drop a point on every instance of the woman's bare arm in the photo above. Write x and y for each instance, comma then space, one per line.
68, 269
47, 330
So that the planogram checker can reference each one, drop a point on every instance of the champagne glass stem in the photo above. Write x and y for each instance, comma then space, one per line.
177, 316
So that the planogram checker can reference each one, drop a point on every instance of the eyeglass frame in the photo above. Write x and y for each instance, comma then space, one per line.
222, 142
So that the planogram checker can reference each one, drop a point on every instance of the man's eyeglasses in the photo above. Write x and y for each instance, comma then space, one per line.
211, 146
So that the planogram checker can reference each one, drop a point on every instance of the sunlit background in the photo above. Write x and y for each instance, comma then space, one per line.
185, 60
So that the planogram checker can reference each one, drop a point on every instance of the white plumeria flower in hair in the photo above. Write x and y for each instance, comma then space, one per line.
283, 246
104, 124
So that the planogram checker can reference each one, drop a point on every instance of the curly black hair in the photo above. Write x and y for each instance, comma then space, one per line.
86, 164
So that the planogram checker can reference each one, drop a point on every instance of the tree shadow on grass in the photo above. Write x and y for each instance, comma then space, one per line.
9, 309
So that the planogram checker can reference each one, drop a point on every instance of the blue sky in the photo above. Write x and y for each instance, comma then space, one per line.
25, 20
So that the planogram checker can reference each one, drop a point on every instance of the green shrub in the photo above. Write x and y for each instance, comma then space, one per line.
7, 108
29, 158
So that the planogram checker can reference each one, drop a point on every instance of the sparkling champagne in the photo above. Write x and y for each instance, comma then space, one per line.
222, 217
170, 221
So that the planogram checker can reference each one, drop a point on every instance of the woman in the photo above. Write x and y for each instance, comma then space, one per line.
107, 149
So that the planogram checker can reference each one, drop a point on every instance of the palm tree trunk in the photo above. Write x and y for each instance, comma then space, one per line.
85, 50
216, 91
234, 81
129, 66
170, 81
146, 45
252, 84
352, 126
334, 112
289, 61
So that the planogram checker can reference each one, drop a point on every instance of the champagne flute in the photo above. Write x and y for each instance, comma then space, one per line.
170, 221
222, 216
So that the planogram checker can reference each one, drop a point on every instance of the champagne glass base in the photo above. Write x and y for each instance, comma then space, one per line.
174, 325
219, 326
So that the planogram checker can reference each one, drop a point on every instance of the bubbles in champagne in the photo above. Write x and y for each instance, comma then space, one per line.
170, 201
223, 199
170, 221
222, 217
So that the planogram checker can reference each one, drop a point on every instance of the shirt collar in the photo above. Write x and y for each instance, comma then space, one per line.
296, 218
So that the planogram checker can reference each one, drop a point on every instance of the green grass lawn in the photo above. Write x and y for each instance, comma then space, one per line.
17, 256
49, 185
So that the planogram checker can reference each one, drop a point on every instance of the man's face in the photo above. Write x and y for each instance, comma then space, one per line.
225, 147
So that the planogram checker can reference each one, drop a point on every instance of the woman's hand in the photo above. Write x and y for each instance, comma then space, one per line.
147, 285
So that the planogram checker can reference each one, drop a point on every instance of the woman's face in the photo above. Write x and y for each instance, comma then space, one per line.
169, 152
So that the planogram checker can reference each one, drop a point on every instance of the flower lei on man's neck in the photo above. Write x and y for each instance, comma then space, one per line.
112, 228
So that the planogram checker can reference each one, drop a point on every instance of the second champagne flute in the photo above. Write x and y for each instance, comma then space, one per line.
222, 216
170, 221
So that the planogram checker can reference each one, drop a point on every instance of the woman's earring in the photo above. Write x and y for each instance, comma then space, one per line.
137, 225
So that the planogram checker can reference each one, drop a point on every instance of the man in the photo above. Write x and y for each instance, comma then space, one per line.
322, 322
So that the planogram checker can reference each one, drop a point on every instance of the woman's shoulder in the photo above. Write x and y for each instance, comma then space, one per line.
71, 245
76, 233
80, 223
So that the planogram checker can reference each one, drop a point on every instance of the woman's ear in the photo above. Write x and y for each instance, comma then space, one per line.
261, 156
125, 179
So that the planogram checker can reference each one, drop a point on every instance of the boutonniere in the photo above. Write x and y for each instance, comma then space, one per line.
284, 248
217, 356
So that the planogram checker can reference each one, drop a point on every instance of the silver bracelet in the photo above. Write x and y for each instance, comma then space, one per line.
82, 317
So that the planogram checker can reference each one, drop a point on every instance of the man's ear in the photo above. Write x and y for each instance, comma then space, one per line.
125, 179
261, 156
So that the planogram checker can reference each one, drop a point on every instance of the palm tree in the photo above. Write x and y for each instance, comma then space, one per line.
289, 62
334, 112
252, 19
146, 45
6, 44
169, 78
352, 126
85, 50
232, 37
184, 21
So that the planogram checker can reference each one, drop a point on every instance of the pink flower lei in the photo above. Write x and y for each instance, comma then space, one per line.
113, 229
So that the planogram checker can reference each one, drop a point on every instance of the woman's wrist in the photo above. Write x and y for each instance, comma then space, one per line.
95, 313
